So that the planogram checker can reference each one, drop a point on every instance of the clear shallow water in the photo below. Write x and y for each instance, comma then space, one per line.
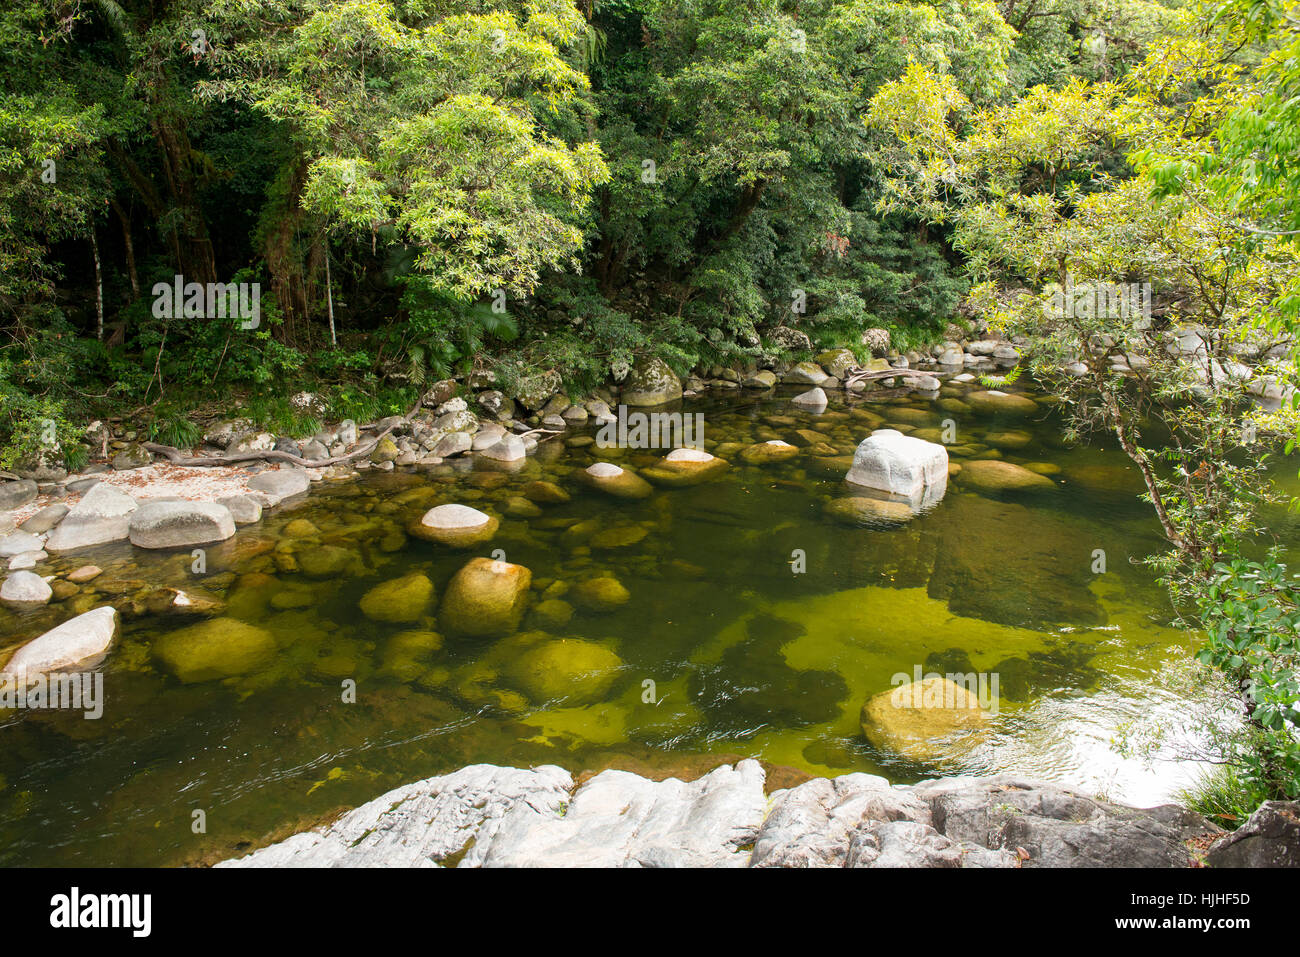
747, 657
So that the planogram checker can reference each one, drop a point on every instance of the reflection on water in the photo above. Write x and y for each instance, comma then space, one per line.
724, 645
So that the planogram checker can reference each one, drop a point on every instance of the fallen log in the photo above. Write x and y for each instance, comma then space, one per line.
858, 374
176, 457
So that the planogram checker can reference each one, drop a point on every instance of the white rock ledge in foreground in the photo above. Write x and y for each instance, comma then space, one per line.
487, 816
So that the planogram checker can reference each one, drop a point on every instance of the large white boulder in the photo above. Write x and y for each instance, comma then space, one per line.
76, 640
899, 464
103, 515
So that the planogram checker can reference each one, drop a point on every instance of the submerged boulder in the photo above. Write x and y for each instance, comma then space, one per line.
580, 672
862, 510
485, 599
923, 720
458, 526
993, 476
1035, 574
615, 480
220, 648
402, 600
995, 402
682, 467
601, 594
765, 453
545, 493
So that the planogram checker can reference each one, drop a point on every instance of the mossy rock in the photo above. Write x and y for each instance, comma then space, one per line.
683, 467
456, 526
552, 613
837, 362
618, 537
580, 672
924, 720
402, 600
485, 599
385, 451
220, 648
651, 382
545, 493
766, 453
858, 510
995, 402
301, 528
599, 594
991, 475
326, 561
615, 480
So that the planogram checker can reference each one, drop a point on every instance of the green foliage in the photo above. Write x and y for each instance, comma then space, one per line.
998, 381
443, 334
276, 414
171, 426
1222, 795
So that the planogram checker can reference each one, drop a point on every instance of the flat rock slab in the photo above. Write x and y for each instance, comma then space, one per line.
618, 819
20, 543
103, 515
180, 524
17, 494
278, 485
422, 824
487, 816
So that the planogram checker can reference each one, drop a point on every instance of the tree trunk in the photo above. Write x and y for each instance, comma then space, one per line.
129, 246
99, 286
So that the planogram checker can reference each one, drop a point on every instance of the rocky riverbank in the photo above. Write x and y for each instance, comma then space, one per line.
488, 816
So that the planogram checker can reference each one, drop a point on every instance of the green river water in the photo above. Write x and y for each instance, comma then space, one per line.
747, 656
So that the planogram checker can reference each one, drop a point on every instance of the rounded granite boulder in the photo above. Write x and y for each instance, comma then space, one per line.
485, 599
457, 526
